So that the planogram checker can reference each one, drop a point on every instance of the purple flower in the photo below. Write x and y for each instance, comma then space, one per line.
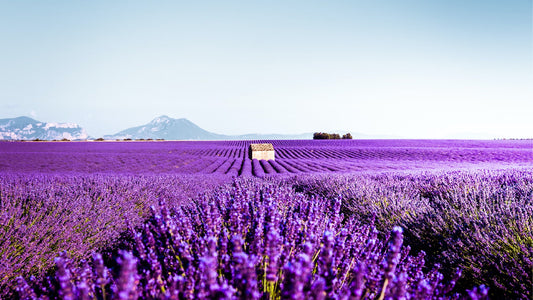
24, 290
66, 289
479, 293
272, 253
393, 255
126, 286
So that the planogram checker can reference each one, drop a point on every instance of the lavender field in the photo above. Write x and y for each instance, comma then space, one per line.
292, 157
344, 219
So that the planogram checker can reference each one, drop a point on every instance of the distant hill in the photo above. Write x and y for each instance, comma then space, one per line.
163, 127
25, 128
167, 128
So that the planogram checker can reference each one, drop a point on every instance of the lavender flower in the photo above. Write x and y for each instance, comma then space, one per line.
127, 281
24, 290
66, 290
479, 293
275, 237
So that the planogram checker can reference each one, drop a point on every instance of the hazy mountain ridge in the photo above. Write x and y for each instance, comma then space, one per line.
167, 128
162, 127
25, 128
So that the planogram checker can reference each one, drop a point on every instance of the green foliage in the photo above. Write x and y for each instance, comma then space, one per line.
330, 136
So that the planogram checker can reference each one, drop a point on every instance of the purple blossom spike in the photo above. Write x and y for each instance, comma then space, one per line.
358, 283
479, 293
272, 252
100, 271
393, 255
327, 262
317, 291
208, 270
293, 284
126, 288
66, 289
24, 290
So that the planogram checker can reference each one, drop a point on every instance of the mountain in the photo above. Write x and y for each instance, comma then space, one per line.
167, 128
25, 128
163, 127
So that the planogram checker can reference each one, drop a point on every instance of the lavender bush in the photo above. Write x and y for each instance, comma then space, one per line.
252, 240
42, 215
480, 221
318, 222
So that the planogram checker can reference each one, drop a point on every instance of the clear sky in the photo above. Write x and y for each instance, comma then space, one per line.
413, 69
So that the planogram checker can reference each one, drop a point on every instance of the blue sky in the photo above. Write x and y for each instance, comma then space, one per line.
414, 69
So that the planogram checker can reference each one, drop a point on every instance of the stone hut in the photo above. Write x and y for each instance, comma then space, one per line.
262, 151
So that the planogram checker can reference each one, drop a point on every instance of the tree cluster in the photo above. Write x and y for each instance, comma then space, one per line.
330, 136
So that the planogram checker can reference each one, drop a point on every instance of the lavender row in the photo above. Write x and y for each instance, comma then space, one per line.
253, 240
126, 163
293, 156
481, 144
480, 221
44, 214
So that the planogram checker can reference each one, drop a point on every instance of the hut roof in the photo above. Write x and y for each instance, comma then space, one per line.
262, 147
